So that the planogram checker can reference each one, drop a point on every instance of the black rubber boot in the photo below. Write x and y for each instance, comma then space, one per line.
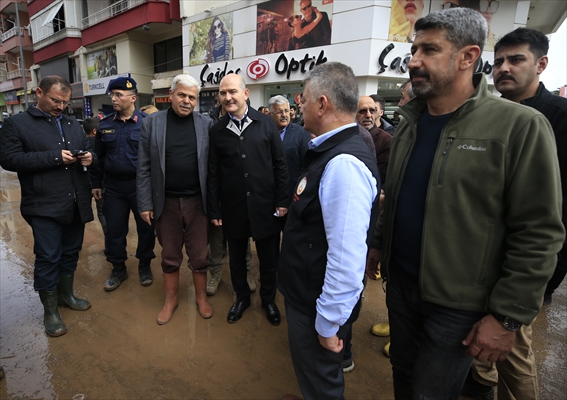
65, 296
52, 321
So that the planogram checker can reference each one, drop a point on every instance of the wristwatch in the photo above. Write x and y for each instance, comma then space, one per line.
507, 322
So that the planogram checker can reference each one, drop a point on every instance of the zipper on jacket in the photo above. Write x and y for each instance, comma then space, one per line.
444, 162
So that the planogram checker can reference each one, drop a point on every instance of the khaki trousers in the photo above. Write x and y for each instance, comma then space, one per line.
516, 376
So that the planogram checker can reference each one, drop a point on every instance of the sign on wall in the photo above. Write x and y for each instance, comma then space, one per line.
210, 40
285, 25
102, 63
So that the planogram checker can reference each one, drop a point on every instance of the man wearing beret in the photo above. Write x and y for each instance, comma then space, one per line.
116, 145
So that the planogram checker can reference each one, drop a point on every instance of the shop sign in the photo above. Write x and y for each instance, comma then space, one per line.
162, 100
215, 77
96, 87
11, 97
286, 67
258, 69
400, 64
6, 85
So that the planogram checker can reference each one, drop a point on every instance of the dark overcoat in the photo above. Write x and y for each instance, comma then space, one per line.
248, 177
31, 145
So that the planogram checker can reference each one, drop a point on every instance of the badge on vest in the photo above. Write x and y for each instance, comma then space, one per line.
105, 131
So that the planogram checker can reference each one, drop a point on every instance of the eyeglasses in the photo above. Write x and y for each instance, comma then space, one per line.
59, 102
446, 6
281, 112
368, 110
491, 5
305, 8
217, 26
119, 96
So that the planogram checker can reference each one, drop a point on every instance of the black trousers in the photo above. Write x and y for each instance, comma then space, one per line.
318, 370
268, 251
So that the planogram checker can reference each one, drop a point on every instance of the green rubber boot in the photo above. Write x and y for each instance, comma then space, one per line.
54, 325
65, 296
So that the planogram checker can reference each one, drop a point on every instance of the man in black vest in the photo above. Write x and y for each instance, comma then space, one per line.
325, 238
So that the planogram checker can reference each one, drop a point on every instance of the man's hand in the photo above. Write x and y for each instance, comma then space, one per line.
382, 198
147, 216
97, 193
67, 157
372, 261
86, 159
489, 340
281, 211
333, 343
216, 222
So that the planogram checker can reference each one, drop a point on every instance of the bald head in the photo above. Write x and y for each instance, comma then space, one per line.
233, 95
366, 112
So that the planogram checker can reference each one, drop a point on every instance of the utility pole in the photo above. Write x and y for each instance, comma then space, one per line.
22, 60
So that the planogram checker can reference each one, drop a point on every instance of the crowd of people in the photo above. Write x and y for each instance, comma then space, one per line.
447, 206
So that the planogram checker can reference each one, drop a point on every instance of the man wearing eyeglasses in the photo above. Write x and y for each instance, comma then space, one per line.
116, 145
367, 111
50, 152
321, 34
295, 139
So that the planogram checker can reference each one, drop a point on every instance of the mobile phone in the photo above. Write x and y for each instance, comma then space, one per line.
79, 153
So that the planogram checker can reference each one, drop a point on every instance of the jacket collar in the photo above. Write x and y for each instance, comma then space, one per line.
541, 94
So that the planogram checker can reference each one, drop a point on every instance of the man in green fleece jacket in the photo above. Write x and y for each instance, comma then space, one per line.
465, 244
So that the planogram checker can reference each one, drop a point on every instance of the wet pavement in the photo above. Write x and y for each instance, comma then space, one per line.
116, 349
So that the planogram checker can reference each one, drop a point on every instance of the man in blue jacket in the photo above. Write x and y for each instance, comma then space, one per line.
50, 153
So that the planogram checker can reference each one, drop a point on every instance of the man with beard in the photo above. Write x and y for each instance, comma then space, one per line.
247, 192
466, 246
519, 59
171, 189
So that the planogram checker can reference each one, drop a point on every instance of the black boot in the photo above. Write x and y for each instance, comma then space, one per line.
117, 276
145, 272
52, 321
65, 296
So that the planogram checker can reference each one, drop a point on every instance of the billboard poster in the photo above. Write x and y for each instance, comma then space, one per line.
403, 16
284, 25
404, 13
102, 63
498, 14
210, 40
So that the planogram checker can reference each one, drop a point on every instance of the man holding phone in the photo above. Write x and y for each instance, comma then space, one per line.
41, 146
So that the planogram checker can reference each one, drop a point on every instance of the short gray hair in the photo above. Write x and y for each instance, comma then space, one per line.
463, 26
185, 80
337, 82
280, 100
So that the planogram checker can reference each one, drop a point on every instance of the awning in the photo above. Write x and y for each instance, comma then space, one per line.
51, 14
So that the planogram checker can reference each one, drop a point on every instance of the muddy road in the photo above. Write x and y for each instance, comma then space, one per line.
116, 350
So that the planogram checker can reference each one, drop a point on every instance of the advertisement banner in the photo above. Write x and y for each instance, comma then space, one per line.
102, 63
284, 25
95, 87
210, 40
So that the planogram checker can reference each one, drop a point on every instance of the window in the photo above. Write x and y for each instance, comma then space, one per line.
168, 55
59, 20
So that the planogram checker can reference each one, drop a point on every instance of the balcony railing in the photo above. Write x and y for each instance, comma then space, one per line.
112, 10
18, 74
11, 33
63, 33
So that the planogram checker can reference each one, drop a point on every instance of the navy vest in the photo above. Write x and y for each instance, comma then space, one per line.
303, 258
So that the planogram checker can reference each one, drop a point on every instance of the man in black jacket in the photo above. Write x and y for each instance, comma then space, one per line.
50, 153
247, 191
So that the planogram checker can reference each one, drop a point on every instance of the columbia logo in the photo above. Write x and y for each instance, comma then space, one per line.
470, 147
